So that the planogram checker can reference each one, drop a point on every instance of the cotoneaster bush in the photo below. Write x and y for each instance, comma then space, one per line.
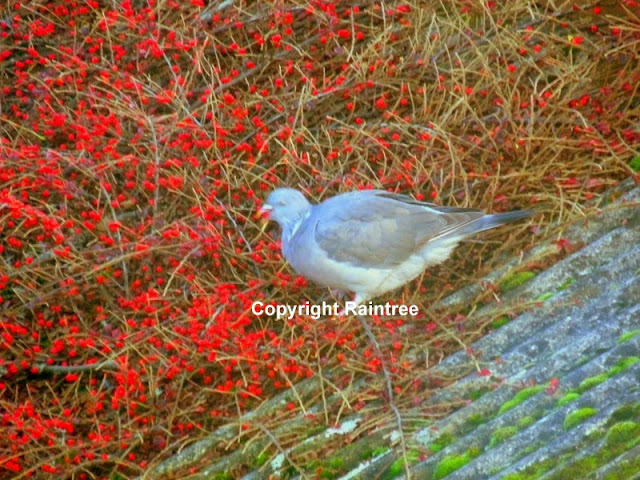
138, 139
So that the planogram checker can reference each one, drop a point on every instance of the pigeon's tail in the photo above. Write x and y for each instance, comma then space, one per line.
495, 220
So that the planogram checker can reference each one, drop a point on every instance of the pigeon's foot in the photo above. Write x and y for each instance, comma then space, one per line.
338, 294
357, 299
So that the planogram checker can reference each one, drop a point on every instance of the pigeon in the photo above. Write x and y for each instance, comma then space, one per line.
372, 241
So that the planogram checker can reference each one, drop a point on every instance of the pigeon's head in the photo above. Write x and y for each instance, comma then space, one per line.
286, 206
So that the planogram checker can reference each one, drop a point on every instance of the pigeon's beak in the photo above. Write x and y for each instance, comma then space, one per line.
265, 210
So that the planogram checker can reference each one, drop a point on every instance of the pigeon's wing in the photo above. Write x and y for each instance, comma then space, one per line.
377, 229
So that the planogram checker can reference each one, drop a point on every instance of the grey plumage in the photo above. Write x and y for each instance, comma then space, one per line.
371, 241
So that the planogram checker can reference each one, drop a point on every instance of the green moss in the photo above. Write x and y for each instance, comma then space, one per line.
626, 412
322, 472
328, 474
397, 468
495, 470
622, 365
568, 398
435, 447
444, 440
501, 321
590, 382
535, 471
566, 284
327, 468
223, 476
450, 464
576, 417
531, 448
290, 472
622, 433
261, 459
373, 453
421, 423
635, 164
625, 470
578, 469
621, 437
514, 281
476, 394
524, 422
476, 419
313, 431
502, 434
545, 296
520, 397
625, 337
516, 476
474, 451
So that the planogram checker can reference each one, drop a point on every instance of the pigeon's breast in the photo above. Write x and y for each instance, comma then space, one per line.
308, 259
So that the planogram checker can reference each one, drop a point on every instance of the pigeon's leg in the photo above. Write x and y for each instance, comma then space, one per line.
358, 298
337, 293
